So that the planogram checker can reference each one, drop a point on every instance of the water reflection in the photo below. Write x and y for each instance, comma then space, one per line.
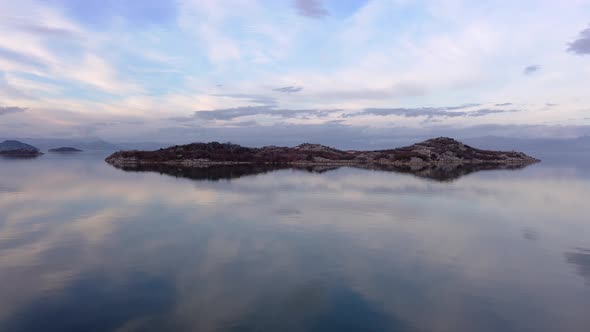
8, 157
530, 234
442, 173
211, 173
84, 246
581, 260
98, 305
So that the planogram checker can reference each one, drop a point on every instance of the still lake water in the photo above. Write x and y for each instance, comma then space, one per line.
88, 247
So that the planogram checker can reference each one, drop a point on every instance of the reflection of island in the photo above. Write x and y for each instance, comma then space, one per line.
225, 172
218, 172
445, 172
211, 173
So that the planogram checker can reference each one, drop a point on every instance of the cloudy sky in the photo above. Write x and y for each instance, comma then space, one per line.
307, 69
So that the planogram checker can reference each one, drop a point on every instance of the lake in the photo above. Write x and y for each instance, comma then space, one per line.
88, 247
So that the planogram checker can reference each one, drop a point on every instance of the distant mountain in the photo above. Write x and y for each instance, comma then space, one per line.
14, 148
10, 145
531, 145
91, 144
86, 144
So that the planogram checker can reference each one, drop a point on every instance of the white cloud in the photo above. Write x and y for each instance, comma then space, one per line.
388, 54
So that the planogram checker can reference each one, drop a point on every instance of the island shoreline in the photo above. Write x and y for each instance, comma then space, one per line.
434, 152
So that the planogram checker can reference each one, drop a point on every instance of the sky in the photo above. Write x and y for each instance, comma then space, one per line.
280, 70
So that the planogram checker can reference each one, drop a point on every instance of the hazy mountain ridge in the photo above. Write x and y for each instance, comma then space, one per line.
578, 144
90, 144
537, 146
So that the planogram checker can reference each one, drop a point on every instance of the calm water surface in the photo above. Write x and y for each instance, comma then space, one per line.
87, 247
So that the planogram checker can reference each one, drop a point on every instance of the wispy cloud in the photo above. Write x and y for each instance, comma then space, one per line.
310, 8
487, 111
529, 70
250, 123
46, 31
137, 13
250, 98
237, 112
288, 89
399, 90
429, 112
460, 107
581, 45
11, 109
161, 61
21, 58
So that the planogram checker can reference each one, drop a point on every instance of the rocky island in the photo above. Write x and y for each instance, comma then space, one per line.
433, 152
12, 148
65, 150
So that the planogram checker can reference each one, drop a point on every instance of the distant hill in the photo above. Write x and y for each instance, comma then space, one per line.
10, 145
90, 144
14, 148
86, 144
65, 149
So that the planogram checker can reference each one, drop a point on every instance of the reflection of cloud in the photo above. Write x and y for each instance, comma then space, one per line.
530, 234
8, 189
213, 255
581, 260
328, 308
287, 211
95, 300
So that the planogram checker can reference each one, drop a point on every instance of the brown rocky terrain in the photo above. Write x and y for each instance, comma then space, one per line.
436, 151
